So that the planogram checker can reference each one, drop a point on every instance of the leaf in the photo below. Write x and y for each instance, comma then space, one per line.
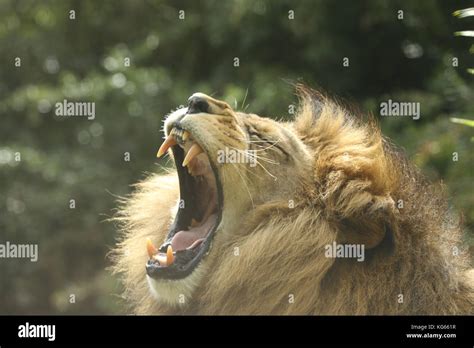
463, 121
467, 12
469, 33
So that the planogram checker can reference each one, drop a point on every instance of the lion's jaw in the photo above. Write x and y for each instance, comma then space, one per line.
251, 157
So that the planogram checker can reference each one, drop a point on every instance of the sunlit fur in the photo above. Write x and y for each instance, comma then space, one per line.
343, 182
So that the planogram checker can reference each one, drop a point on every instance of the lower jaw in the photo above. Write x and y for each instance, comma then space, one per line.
177, 293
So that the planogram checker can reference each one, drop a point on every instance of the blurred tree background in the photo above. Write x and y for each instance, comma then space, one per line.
83, 59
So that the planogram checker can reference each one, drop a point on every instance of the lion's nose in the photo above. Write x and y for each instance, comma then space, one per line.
202, 103
197, 103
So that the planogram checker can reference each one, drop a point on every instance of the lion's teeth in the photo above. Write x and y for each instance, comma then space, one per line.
164, 259
150, 248
169, 141
161, 258
185, 135
169, 256
193, 152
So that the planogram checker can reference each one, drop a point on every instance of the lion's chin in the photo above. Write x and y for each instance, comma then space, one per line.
176, 293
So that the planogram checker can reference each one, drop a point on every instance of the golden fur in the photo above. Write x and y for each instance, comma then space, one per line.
345, 183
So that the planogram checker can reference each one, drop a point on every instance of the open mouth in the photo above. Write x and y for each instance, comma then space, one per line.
200, 210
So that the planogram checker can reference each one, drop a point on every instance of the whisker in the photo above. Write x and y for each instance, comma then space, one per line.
265, 169
252, 172
252, 155
258, 162
246, 186
245, 98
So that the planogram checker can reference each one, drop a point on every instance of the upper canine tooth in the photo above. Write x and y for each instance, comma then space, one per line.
190, 170
169, 141
185, 135
193, 152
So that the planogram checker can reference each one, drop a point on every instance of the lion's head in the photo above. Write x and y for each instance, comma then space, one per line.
252, 218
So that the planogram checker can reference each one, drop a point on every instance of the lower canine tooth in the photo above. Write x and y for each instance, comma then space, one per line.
150, 248
169, 255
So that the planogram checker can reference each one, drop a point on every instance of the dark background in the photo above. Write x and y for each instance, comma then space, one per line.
83, 60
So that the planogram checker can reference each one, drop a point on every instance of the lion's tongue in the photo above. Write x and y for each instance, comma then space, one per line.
184, 239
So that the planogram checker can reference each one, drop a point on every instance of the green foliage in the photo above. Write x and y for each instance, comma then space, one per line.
469, 123
467, 12
83, 60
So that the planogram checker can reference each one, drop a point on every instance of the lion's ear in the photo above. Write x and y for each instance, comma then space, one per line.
370, 225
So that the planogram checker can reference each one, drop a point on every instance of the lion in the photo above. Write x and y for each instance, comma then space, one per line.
265, 217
